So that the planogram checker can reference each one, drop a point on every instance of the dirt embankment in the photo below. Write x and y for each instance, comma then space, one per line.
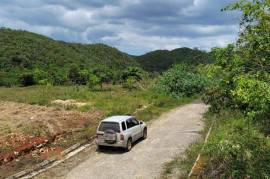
33, 133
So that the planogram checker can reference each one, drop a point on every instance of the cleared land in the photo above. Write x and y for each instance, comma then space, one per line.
31, 133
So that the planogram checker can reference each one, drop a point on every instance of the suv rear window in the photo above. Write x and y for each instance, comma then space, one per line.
109, 125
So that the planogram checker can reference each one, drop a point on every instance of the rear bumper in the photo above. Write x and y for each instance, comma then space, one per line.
117, 144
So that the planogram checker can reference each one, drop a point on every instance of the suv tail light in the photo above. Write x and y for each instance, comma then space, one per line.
122, 137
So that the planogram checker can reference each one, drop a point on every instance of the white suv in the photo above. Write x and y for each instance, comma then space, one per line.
120, 131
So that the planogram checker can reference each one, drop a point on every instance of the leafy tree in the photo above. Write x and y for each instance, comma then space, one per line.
93, 81
104, 73
84, 77
59, 77
39, 75
74, 73
246, 66
134, 72
179, 81
130, 83
255, 33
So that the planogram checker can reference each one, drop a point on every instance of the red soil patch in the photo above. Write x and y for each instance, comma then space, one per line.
25, 128
25, 148
48, 152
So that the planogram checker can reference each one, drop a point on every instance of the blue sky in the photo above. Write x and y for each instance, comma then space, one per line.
133, 26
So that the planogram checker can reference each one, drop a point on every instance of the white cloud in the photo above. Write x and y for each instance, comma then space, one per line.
134, 26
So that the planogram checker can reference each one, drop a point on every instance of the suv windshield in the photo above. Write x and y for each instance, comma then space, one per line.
109, 125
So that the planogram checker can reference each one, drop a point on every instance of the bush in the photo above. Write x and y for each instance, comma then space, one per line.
130, 83
104, 74
27, 79
83, 77
237, 150
179, 81
134, 72
74, 73
8, 80
39, 75
93, 81
44, 82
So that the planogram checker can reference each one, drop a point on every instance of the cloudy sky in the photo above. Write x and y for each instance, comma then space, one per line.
133, 26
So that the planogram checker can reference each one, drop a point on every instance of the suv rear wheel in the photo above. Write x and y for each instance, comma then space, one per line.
129, 144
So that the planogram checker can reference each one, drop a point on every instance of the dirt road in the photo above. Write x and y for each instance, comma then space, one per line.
168, 136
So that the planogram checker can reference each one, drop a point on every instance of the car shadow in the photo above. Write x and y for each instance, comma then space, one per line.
115, 150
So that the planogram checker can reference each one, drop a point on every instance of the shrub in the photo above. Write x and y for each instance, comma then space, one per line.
237, 150
44, 82
74, 74
130, 83
179, 81
104, 74
27, 79
133, 72
8, 79
83, 77
93, 81
39, 75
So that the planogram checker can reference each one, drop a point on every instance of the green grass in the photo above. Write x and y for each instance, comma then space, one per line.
229, 126
112, 100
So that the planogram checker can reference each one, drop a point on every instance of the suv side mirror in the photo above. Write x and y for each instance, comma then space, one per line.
141, 122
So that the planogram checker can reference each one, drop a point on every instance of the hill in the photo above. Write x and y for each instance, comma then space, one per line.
50, 61
22, 48
22, 51
161, 60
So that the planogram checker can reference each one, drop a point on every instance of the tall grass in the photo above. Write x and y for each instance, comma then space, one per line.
113, 100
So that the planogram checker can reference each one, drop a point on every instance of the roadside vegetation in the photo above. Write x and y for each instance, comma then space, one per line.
239, 96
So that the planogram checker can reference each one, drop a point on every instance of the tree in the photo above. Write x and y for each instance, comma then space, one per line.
83, 77
130, 83
39, 75
93, 81
246, 66
179, 81
254, 36
74, 73
105, 74
135, 72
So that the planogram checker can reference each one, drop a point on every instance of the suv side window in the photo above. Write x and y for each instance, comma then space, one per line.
135, 122
129, 123
123, 126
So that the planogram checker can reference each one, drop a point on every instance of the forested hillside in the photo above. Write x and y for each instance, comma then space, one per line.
22, 51
27, 59
161, 60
